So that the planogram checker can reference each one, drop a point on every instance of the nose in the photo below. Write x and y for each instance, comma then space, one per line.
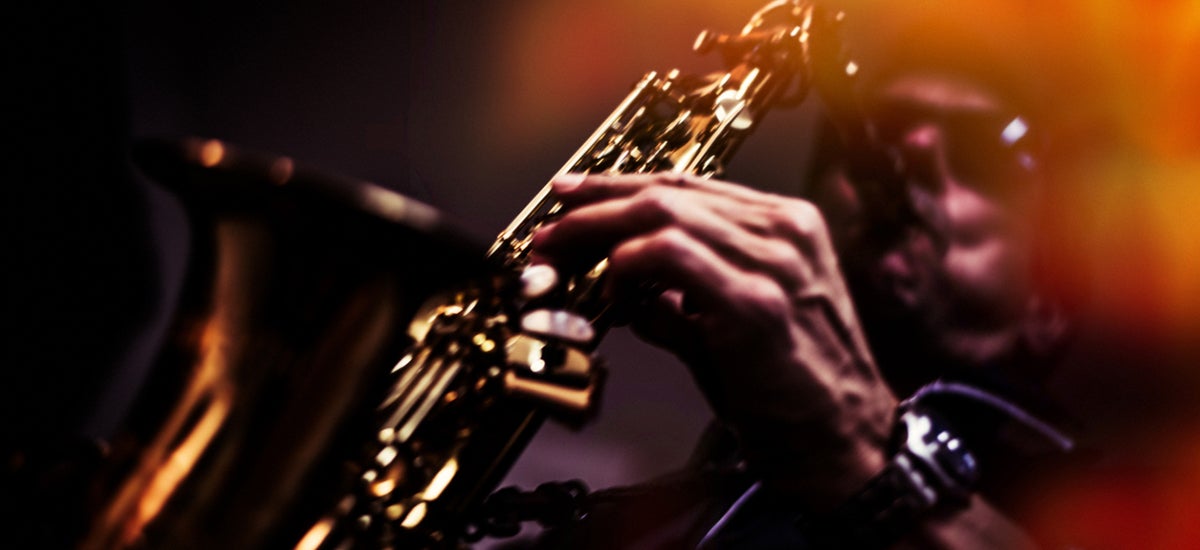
923, 149
927, 180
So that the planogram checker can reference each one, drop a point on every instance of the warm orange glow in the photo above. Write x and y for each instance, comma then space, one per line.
561, 65
1127, 213
1146, 502
177, 447
1121, 83
211, 390
1134, 208
162, 467
180, 463
211, 153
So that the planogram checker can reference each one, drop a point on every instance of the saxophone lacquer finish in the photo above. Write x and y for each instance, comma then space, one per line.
292, 422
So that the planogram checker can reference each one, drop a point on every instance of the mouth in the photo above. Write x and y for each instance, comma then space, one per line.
903, 273
896, 276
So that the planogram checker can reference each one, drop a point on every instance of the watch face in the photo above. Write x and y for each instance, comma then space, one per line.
931, 469
943, 463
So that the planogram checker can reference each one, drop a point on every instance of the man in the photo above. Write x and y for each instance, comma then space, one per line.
925, 228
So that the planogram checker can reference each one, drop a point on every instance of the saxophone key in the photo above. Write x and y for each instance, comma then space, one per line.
559, 324
537, 280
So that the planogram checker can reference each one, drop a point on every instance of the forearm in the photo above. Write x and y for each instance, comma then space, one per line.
822, 449
979, 525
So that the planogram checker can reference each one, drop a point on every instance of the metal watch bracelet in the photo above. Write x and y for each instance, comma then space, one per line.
930, 470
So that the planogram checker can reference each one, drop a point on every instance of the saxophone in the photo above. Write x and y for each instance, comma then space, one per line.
527, 335
488, 362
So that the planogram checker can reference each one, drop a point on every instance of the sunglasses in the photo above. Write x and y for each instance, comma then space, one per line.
993, 152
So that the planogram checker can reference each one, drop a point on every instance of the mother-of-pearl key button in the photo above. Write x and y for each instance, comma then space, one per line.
558, 324
537, 280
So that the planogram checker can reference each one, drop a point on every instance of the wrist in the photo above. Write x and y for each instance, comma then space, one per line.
927, 471
830, 463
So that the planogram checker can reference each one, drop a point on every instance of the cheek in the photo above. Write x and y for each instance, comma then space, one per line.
989, 280
839, 203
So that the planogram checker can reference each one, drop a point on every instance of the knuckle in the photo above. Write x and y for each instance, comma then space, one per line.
658, 203
673, 179
763, 297
663, 244
669, 242
781, 253
799, 217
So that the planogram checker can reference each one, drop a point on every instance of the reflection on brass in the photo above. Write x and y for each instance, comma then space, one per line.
271, 345
386, 456
207, 395
440, 481
446, 395
425, 317
395, 206
302, 328
316, 535
414, 517
383, 487
525, 351
576, 400
576, 365
411, 366
427, 403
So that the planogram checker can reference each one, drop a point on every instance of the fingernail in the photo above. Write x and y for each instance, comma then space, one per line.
567, 182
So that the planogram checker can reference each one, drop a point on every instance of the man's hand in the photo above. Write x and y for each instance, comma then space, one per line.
747, 292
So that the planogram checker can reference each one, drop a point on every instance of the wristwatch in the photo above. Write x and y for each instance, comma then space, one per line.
930, 471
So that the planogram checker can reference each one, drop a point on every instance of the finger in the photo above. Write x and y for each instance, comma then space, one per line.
663, 322
763, 213
590, 232
723, 294
597, 227
574, 189
648, 208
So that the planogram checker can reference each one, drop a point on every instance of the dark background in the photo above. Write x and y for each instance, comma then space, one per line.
467, 106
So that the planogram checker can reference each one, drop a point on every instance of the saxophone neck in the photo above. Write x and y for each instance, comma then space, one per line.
688, 123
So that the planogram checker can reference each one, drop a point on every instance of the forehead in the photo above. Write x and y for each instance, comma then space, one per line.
935, 93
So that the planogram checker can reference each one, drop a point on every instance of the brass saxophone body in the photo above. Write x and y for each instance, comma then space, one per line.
479, 341
487, 363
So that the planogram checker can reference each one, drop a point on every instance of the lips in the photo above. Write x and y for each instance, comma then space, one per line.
896, 277
904, 273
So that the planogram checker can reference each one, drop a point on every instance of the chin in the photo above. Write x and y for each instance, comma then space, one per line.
915, 341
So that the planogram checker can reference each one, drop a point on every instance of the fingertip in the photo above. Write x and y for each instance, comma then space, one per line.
542, 235
568, 182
